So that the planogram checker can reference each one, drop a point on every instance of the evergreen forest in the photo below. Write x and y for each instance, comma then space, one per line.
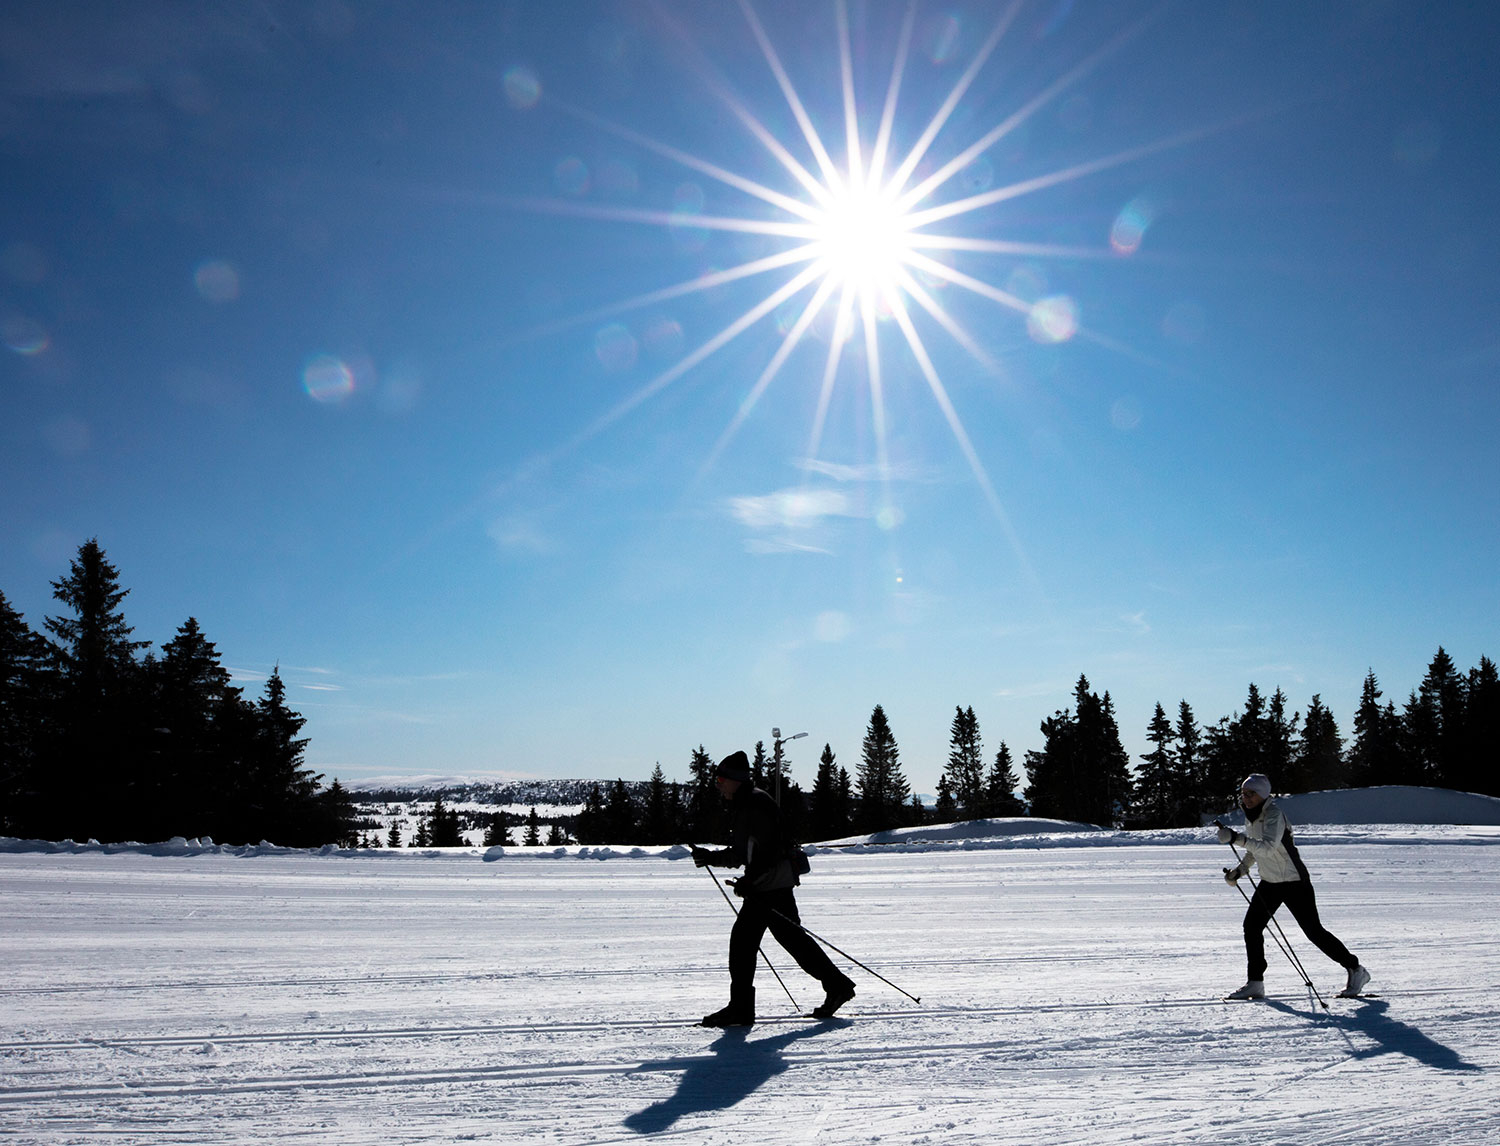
101, 738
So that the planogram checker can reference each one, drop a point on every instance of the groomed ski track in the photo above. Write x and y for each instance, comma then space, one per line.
1070, 996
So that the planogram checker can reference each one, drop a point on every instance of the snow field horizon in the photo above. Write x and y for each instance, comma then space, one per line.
1068, 994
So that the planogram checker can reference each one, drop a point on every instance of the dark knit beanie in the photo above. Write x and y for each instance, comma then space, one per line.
735, 766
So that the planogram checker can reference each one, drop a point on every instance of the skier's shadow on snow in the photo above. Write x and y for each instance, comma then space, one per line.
1392, 1036
734, 1071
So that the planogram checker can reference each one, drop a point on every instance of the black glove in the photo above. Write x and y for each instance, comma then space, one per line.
734, 885
700, 857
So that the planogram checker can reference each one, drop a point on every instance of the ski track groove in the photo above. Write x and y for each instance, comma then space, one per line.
382, 1034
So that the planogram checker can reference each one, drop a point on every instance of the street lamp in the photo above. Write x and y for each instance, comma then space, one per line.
777, 740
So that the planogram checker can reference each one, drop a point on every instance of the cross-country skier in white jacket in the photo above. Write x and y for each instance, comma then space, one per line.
1267, 840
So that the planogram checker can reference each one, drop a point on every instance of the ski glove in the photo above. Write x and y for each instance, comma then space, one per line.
1232, 875
1227, 836
700, 857
734, 885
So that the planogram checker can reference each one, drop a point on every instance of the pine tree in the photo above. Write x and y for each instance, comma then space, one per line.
422, 837
556, 837
1282, 747
533, 836
497, 832
1082, 771
443, 829
393, 837
590, 826
703, 814
1378, 754
945, 810
338, 823
1189, 766
1159, 796
1435, 724
883, 790
1000, 786
1320, 762
23, 691
100, 725
758, 766
195, 783
965, 771
657, 824
1481, 755
280, 795
619, 815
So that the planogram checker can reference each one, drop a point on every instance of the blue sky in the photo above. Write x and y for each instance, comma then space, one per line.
356, 332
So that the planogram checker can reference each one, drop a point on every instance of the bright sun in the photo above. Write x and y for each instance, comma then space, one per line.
856, 234
863, 240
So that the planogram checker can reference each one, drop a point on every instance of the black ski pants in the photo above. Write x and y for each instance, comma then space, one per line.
774, 911
1300, 901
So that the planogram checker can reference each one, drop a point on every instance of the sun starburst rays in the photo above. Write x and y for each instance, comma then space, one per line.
862, 241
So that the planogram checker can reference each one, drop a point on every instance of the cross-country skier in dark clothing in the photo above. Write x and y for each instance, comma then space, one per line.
1267, 840
758, 844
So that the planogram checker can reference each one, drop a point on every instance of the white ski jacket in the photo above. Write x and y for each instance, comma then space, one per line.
1267, 841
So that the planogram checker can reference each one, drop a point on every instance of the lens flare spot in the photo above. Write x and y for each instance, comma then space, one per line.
942, 43
25, 336
572, 176
1129, 228
1053, 319
889, 517
522, 88
327, 379
615, 347
217, 281
977, 176
688, 202
663, 339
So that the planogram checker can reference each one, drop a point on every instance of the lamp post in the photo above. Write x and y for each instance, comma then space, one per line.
777, 740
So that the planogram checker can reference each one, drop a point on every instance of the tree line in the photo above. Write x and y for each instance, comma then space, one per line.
100, 740
1447, 734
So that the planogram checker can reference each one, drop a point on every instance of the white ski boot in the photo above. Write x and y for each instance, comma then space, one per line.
1253, 989
1358, 977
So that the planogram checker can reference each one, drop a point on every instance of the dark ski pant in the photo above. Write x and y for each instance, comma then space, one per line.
1300, 901
774, 911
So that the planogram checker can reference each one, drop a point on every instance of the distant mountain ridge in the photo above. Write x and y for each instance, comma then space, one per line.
541, 793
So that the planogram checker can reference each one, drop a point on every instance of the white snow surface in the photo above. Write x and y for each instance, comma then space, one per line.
191, 993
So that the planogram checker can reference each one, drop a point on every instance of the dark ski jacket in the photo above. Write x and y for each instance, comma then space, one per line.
757, 843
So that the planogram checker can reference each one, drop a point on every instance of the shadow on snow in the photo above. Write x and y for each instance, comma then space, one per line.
734, 1071
1392, 1036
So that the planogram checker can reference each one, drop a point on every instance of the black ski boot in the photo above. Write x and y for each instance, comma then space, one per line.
840, 991
739, 1013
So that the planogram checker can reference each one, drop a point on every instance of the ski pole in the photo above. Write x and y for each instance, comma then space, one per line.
1279, 935
845, 954
762, 950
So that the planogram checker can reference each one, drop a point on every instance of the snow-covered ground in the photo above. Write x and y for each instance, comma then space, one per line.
1069, 994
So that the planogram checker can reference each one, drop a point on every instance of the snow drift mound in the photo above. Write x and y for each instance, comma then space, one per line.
965, 830
1391, 804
